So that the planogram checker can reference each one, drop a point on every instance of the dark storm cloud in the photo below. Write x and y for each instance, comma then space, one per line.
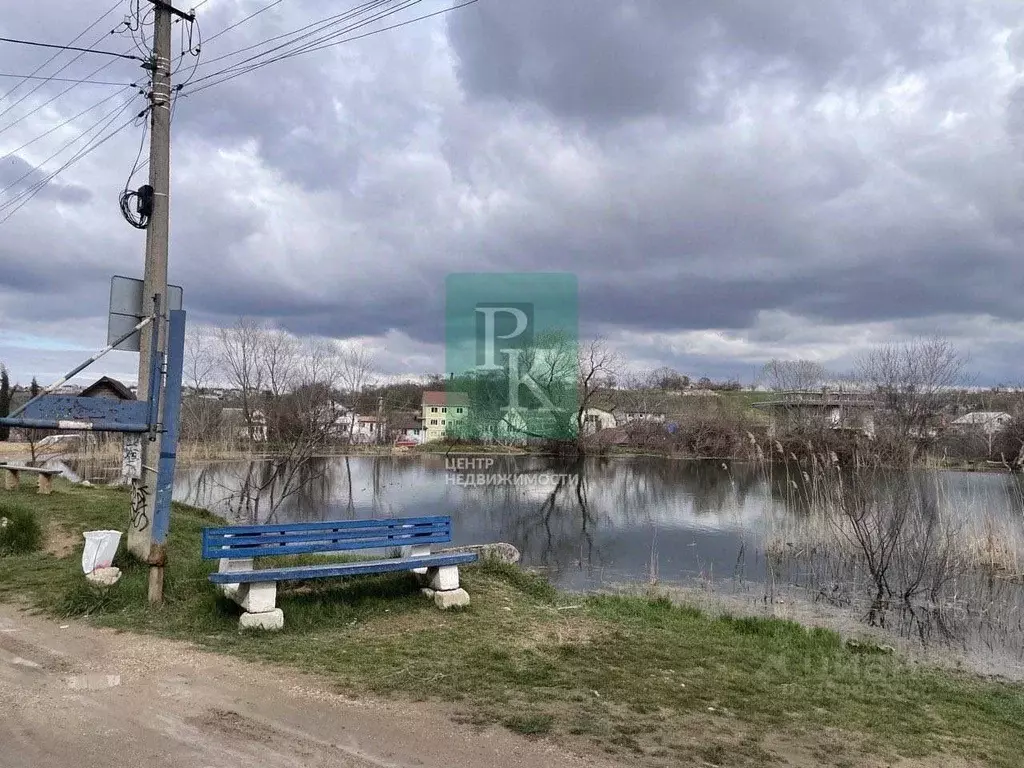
626, 58
788, 174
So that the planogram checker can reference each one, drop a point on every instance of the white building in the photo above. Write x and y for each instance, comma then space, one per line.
985, 422
596, 419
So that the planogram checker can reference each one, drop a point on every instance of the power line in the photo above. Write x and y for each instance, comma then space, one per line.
26, 195
61, 125
317, 28
251, 16
317, 44
110, 116
68, 48
40, 85
397, 25
64, 79
48, 101
82, 154
324, 24
222, 32
80, 35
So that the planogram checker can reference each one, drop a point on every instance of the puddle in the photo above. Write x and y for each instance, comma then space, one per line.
93, 682
24, 662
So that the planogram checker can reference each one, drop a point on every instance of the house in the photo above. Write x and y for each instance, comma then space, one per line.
234, 426
630, 417
597, 419
987, 423
341, 421
442, 411
406, 426
808, 409
104, 387
368, 429
109, 388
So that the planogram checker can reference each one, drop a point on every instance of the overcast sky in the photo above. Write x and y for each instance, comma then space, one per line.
731, 181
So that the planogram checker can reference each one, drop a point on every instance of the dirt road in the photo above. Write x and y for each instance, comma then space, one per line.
73, 695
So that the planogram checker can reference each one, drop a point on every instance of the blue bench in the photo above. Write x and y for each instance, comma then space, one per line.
237, 546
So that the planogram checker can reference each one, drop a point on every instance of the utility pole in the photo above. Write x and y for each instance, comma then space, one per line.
144, 489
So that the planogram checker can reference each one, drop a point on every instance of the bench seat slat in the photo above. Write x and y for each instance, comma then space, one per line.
216, 538
241, 530
270, 548
304, 572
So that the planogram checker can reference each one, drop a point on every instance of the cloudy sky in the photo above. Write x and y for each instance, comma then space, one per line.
731, 181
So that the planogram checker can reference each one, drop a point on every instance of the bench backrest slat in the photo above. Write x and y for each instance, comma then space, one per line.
244, 541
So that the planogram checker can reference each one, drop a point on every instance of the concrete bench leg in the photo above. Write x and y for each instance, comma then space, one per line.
417, 550
447, 593
45, 484
10, 479
259, 601
227, 566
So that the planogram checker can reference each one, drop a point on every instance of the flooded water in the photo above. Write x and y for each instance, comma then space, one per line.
951, 544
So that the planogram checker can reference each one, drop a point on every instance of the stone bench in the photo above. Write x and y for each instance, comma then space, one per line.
255, 589
13, 472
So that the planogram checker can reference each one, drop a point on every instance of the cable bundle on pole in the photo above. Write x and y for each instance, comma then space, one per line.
139, 214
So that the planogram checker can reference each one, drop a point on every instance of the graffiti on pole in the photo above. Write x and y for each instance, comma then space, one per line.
139, 518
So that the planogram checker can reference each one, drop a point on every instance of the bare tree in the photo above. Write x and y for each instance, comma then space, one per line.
305, 418
598, 365
663, 378
280, 353
782, 375
200, 362
643, 393
199, 415
355, 373
913, 379
241, 349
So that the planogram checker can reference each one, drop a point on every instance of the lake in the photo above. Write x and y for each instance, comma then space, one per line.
951, 544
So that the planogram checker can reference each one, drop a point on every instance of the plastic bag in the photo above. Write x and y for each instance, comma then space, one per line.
100, 548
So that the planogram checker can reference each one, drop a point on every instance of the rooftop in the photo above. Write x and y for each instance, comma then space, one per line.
818, 399
983, 417
436, 398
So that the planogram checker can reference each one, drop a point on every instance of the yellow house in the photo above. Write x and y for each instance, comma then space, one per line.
442, 410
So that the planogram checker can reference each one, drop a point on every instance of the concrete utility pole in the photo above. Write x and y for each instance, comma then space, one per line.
140, 540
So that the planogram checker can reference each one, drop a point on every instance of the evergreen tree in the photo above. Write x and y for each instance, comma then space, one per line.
5, 401
34, 387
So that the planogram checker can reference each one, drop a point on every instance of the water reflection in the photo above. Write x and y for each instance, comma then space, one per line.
763, 533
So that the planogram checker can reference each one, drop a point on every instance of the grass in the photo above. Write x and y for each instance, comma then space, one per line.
640, 678
20, 532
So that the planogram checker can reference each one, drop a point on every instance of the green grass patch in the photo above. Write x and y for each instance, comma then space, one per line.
640, 678
20, 532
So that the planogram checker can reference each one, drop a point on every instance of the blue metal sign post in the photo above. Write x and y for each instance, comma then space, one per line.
159, 413
168, 449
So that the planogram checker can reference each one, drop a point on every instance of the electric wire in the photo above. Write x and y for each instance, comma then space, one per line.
26, 195
323, 23
81, 34
58, 71
69, 48
251, 16
48, 101
57, 127
236, 70
64, 79
81, 155
111, 115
